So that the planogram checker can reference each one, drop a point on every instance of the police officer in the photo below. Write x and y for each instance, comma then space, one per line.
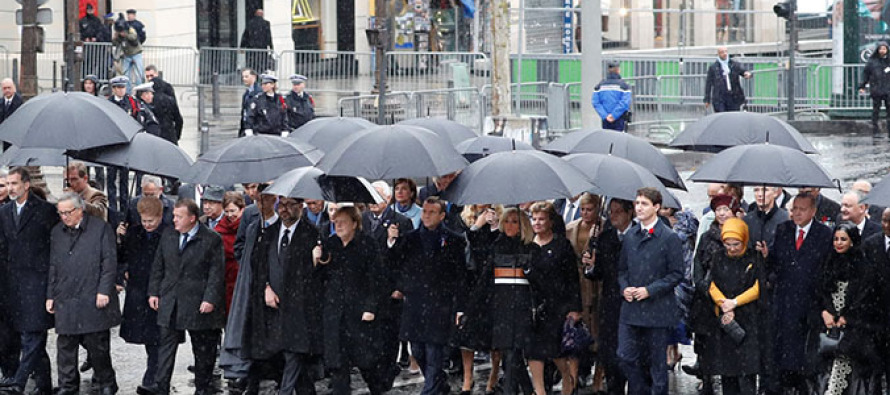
268, 111
127, 103
611, 99
146, 116
300, 105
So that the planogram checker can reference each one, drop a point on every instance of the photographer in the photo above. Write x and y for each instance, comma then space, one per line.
127, 51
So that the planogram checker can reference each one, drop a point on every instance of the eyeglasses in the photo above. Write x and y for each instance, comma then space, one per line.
67, 213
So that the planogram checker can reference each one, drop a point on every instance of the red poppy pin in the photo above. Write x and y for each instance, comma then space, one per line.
651, 231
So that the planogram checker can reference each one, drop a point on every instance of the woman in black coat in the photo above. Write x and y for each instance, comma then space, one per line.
734, 292
139, 324
352, 293
556, 294
848, 296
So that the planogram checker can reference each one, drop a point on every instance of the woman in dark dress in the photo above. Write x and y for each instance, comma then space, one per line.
351, 295
734, 292
135, 257
508, 294
556, 292
848, 295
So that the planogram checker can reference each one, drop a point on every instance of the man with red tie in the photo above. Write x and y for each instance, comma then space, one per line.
794, 269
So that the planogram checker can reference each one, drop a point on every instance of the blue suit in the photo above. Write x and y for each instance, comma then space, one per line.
612, 96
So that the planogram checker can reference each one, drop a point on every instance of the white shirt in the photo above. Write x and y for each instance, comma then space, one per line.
886, 243
290, 233
19, 207
861, 225
188, 235
270, 221
571, 208
645, 228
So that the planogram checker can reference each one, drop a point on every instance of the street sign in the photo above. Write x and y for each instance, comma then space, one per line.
44, 16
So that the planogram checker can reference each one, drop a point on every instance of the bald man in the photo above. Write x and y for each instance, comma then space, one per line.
723, 88
874, 212
11, 99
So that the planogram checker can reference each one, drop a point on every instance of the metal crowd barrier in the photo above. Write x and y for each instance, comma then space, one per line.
228, 63
838, 86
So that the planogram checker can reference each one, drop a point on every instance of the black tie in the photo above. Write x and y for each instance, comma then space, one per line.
16, 215
185, 240
284, 240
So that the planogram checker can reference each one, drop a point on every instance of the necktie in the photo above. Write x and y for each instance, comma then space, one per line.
185, 239
18, 213
284, 240
375, 222
799, 240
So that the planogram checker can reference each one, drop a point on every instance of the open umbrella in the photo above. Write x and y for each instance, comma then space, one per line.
326, 133
763, 164
73, 121
146, 153
516, 177
879, 195
618, 177
390, 152
15, 156
453, 131
311, 183
720, 131
251, 159
634, 149
478, 147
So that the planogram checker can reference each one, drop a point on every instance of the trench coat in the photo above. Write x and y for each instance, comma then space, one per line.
136, 255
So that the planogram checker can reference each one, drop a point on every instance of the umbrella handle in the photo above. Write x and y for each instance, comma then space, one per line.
838, 183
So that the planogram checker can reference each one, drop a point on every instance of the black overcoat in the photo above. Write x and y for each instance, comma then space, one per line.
605, 270
136, 255
557, 288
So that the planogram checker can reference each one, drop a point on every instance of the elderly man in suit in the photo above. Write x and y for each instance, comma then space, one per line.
81, 294
188, 290
793, 273
853, 210
11, 99
25, 227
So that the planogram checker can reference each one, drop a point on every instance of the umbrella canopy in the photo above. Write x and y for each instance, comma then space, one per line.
15, 156
720, 131
326, 133
879, 195
251, 159
390, 152
618, 177
311, 183
763, 164
453, 131
478, 147
516, 177
634, 149
73, 121
146, 153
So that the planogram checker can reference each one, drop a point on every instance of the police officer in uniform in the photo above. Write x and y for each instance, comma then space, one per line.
146, 116
268, 111
118, 202
300, 105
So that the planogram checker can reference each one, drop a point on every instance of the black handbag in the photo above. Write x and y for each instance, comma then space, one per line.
829, 340
734, 330
575, 337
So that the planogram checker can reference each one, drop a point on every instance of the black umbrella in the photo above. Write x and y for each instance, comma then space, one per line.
258, 158
453, 131
517, 177
146, 153
15, 156
478, 147
879, 195
73, 121
326, 133
763, 164
720, 131
634, 149
311, 183
618, 177
390, 152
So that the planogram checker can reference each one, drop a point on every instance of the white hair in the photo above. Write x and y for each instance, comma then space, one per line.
384, 186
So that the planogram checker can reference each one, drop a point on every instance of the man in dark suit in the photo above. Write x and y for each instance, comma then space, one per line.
452, 211
252, 214
316, 213
853, 210
568, 209
258, 35
433, 279
250, 79
793, 273
151, 186
161, 86
827, 211
650, 267
877, 250
81, 294
11, 99
723, 89
188, 290
25, 226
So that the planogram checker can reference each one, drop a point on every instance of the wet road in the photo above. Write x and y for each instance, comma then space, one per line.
846, 157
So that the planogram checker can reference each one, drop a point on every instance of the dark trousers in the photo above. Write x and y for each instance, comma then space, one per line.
432, 359
795, 381
739, 385
618, 125
151, 365
724, 106
203, 347
118, 182
35, 361
98, 346
10, 347
516, 380
639, 348
297, 375
340, 380
615, 380
876, 103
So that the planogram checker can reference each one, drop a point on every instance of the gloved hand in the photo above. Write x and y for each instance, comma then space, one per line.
285, 134
248, 132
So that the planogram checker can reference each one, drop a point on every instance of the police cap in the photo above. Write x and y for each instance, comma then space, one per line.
119, 81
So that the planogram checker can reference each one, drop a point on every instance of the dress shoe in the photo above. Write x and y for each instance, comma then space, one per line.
86, 366
692, 370
147, 390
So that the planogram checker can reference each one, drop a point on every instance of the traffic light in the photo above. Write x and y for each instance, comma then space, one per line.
784, 9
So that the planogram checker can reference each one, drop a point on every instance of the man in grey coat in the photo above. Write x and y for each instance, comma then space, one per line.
188, 290
82, 295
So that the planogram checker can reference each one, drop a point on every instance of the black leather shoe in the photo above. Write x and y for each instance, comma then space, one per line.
147, 390
86, 366
692, 370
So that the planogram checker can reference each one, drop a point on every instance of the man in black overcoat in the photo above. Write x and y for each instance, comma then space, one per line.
25, 227
855, 211
723, 90
793, 274
81, 294
161, 86
258, 35
433, 266
877, 250
11, 100
187, 288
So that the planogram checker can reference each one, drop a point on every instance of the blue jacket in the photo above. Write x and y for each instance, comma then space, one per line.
611, 96
654, 261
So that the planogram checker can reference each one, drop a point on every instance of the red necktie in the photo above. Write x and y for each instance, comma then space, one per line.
799, 240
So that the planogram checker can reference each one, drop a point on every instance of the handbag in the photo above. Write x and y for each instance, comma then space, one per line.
575, 337
734, 330
829, 340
